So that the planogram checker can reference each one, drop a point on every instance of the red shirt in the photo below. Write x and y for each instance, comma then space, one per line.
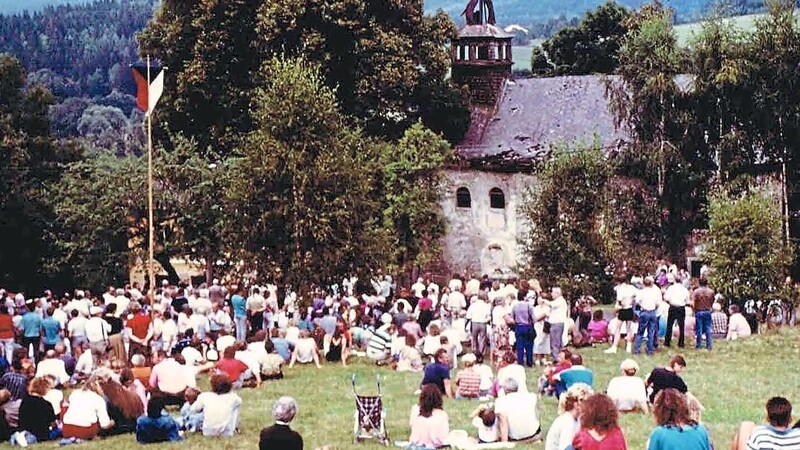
232, 367
614, 440
6, 327
139, 325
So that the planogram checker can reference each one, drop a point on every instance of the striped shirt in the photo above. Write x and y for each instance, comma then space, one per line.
469, 383
16, 383
765, 437
379, 343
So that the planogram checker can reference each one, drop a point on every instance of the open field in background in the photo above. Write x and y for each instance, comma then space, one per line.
733, 382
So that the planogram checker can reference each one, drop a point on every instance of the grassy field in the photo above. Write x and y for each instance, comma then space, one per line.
686, 32
733, 382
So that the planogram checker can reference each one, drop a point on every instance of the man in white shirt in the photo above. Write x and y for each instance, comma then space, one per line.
678, 297
628, 391
456, 302
559, 310
97, 331
517, 413
417, 288
649, 300
626, 294
51, 365
473, 287
479, 314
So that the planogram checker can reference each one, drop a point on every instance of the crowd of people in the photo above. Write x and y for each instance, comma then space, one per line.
132, 361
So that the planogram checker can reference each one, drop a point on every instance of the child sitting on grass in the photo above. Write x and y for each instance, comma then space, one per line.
598, 327
191, 421
485, 420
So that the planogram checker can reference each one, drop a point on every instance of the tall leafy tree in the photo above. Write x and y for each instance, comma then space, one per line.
300, 191
593, 45
568, 245
410, 185
386, 60
30, 163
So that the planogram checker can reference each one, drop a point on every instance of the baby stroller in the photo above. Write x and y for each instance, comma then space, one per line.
370, 416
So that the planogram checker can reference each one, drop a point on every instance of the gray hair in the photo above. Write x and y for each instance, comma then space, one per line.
510, 385
284, 409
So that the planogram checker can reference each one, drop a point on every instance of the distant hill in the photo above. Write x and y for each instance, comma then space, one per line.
526, 12
18, 6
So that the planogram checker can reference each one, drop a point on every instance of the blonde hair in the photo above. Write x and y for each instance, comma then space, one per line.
573, 396
695, 407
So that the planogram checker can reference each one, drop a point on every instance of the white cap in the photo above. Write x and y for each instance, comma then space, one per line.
469, 358
629, 364
386, 318
95, 310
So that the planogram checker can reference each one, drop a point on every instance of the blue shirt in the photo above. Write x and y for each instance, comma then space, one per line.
687, 437
162, 429
436, 373
31, 325
282, 347
576, 374
51, 329
239, 306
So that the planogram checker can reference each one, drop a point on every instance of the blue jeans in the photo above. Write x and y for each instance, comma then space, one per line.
241, 327
524, 335
648, 321
703, 325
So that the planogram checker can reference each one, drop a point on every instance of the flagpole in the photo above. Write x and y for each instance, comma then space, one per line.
151, 232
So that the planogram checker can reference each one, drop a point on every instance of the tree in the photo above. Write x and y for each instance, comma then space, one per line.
593, 45
569, 244
540, 65
103, 234
647, 101
300, 193
30, 163
410, 184
386, 61
745, 249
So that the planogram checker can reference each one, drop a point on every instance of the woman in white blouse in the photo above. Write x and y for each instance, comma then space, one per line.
87, 412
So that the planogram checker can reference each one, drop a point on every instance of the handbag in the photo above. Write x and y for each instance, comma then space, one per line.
546, 326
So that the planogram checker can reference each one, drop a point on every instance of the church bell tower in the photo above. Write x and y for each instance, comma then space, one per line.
481, 54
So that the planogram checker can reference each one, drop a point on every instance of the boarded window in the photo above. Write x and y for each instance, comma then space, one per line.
483, 52
497, 200
463, 198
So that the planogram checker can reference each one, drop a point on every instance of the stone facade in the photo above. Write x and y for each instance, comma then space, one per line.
485, 83
481, 239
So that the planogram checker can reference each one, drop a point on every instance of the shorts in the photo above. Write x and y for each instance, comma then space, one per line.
626, 315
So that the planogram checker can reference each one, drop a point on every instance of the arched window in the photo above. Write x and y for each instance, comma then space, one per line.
497, 200
463, 198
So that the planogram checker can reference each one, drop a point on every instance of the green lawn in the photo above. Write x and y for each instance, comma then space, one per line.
686, 32
733, 382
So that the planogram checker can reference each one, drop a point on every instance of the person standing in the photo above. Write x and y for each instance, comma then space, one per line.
626, 294
6, 333
31, 327
239, 305
524, 318
678, 297
702, 300
559, 309
649, 298
478, 314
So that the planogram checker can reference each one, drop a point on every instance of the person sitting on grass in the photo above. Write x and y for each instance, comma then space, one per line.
36, 414
487, 377
485, 420
191, 421
305, 350
429, 422
271, 362
598, 328
628, 391
280, 436
577, 373
87, 412
676, 429
409, 358
468, 380
599, 425
775, 435
236, 371
220, 407
517, 413
156, 425
438, 373
667, 377
567, 425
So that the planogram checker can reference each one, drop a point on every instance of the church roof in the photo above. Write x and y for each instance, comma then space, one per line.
482, 31
536, 114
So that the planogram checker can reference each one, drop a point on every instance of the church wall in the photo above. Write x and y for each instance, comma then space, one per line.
481, 239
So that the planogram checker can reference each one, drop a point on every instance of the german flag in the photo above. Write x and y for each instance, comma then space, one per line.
148, 93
